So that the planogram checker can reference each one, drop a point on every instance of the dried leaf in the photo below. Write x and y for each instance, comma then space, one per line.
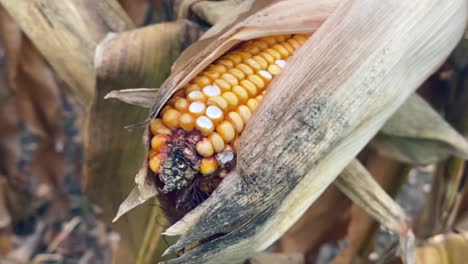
212, 12
136, 10
69, 38
143, 50
326, 117
143, 97
417, 134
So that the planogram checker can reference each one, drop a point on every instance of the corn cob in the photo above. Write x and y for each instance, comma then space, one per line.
194, 137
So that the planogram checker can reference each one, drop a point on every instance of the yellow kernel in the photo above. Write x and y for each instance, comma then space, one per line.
231, 99
259, 98
171, 118
197, 108
231, 79
270, 40
187, 121
236, 120
249, 87
218, 101
162, 130
281, 50
281, 38
172, 101
181, 104
191, 88
217, 142
226, 63
252, 49
301, 38
274, 69
275, 54
257, 81
244, 112
245, 69
223, 85
211, 74
223, 173
234, 58
226, 130
261, 44
218, 68
201, 81
252, 104
241, 94
261, 61
155, 163
293, 43
151, 153
158, 141
205, 148
165, 108
215, 114
155, 125
237, 73
208, 166
205, 125
196, 96
244, 55
288, 47
267, 57
253, 64
234, 146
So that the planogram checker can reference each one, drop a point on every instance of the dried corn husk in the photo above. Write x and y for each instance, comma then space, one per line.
417, 134
340, 93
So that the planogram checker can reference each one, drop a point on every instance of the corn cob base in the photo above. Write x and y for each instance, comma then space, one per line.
194, 138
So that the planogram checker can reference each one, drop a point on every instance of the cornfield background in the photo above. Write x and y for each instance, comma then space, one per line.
59, 192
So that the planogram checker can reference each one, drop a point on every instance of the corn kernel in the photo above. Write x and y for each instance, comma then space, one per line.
191, 88
245, 69
236, 120
215, 114
158, 141
218, 101
155, 163
205, 148
226, 130
171, 118
252, 104
255, 79
226, 63
253, 64
231, 99
229, 78
274, 69
261, 61
187, 121
244, 112
218, 68
212, 75
241, 94
223, 85
205, 125
195, 96
249, 87
275, 54
211, 90
181, 104
197, 108
201, 81
217, 141
237, 73
208, 166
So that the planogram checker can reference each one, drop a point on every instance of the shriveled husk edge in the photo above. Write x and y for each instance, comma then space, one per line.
328, 114
239, 27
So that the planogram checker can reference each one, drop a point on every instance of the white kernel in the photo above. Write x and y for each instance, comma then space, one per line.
211, 90
214, 112
197, 108
280, 63
265, 74
204, 123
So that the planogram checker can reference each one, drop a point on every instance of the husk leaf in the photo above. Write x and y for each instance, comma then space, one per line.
212, 12
331, 109
417, 134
